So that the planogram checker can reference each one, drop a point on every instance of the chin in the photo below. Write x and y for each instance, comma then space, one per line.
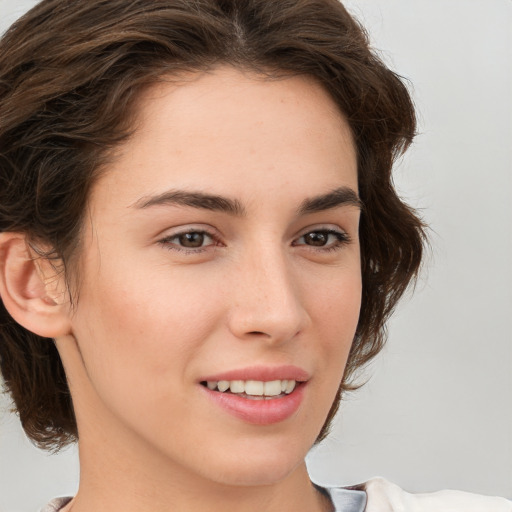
259, 467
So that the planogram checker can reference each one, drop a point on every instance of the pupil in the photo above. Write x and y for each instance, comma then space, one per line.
192, 240
316, 238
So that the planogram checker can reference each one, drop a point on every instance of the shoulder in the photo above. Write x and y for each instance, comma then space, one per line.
384, 496
56, 505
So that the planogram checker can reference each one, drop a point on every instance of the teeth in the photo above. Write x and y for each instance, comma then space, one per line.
237, 386
272, 388
223, 385
290, 387
254, 387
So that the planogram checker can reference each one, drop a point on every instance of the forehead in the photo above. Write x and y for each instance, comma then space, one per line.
235, 129
225, 85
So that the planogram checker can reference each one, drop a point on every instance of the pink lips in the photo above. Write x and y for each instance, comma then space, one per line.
265, 373
260, 411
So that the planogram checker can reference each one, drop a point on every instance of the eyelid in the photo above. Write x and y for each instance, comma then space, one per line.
343, 237
183, 230
329, 228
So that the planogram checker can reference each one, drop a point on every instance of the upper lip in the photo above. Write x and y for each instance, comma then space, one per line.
262, 373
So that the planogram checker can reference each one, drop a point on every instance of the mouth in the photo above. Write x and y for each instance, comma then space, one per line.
258, 402
253, 389
259, 395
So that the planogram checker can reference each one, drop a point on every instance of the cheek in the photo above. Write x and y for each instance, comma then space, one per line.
336, 314
337, 305
137, 328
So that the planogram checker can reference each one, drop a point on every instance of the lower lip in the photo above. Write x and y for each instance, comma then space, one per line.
259, 412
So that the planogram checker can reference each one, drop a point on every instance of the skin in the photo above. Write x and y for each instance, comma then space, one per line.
153, 317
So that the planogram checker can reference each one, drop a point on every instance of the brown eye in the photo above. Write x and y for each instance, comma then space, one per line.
317, 238
326, 239
191, 240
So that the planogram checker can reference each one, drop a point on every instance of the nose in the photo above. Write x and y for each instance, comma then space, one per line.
266, 299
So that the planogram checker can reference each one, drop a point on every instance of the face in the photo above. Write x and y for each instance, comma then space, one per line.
221, 249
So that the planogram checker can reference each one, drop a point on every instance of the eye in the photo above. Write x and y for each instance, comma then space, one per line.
189, 240
324, 239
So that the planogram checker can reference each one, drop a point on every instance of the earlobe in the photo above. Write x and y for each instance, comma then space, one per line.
29, 288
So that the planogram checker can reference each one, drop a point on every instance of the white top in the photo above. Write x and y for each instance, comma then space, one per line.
379, 495
384, 496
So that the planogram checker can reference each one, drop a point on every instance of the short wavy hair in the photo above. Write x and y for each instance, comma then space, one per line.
70, 74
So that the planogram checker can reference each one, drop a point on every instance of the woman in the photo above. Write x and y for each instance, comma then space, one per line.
200, 244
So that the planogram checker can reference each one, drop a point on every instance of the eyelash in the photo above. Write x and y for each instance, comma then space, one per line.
168, 244
342, 239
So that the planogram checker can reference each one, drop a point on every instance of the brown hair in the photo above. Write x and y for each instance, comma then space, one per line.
70, 72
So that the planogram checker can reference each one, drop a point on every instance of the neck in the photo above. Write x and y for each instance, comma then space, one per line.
116, 478
140, 489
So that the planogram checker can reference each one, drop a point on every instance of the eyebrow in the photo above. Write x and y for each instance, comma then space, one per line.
342, 196
194, 200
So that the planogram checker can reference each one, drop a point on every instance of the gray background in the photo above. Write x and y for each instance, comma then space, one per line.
436, 412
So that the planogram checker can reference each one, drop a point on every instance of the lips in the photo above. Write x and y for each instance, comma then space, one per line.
262, 373
258, 395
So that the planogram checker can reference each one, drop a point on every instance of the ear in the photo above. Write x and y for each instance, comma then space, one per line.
32, 290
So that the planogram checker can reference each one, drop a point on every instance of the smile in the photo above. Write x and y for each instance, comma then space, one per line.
253, 389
